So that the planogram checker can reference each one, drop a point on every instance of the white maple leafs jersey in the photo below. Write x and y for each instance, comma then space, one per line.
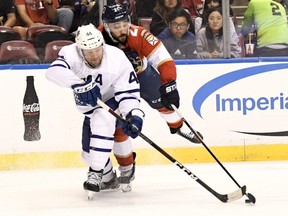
115, 76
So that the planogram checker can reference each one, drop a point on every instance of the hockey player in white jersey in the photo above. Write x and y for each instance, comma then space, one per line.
95, 70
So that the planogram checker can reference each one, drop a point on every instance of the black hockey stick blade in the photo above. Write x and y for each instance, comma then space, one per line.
223, 198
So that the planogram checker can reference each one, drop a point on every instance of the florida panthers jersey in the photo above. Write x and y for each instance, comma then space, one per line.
148, 48
115, 76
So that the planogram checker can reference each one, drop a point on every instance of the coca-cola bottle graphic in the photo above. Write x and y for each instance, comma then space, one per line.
31, 111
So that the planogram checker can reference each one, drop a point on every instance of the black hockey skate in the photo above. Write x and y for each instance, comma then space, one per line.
112, 184
92, 185
185, 132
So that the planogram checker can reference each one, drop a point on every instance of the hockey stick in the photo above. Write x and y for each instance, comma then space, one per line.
222, 197
250, 196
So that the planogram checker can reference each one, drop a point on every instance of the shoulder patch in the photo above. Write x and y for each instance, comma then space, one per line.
149, 37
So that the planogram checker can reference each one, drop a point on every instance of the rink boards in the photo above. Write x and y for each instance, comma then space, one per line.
240, 107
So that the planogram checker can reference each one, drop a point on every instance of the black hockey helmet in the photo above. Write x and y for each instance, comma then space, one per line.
114, 13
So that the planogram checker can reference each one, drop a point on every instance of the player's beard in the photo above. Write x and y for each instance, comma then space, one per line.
122, 39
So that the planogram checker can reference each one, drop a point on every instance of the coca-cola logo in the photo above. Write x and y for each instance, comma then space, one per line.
35, 107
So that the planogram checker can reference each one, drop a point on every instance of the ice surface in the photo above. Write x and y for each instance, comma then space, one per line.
157, 190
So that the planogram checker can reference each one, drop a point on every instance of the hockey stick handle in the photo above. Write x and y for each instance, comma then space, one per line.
223, 198
210, 152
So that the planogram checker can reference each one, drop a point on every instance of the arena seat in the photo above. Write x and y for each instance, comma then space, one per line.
52, 49
8, 34
145, 22
18, 52
40, 36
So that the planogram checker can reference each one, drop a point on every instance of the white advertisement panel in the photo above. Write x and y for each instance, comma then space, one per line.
232, 104
59, 122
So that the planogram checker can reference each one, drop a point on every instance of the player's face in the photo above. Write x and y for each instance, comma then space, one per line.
119, 30
93, 56
215, 21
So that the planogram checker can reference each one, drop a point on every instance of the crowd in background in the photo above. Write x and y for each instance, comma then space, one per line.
189, 29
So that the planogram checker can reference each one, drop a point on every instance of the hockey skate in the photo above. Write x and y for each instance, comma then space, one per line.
112, 184
92, 185
185, 132
126, 178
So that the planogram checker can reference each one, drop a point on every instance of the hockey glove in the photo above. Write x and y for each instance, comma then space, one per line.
169, 95
133, 124
86, 93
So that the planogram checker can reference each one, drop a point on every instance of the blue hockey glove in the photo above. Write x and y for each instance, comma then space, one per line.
133, 124
169, 95
86, 93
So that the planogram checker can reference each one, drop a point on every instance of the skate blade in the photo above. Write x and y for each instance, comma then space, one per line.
91, 195
126, 187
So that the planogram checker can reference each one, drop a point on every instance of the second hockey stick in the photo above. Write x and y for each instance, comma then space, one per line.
250, 196
222, 197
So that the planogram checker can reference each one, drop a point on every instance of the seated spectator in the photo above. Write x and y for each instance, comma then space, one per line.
161, 13
92, 15
7, 13
180, 43
200, 20
41, 13
210, 38
80, 8
270, 22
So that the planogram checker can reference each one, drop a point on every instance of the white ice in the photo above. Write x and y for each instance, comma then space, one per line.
157, 190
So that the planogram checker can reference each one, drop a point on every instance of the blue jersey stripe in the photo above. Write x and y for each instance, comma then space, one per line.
100, 149
101, 137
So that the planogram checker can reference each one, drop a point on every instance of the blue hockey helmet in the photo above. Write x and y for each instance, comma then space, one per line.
114, 13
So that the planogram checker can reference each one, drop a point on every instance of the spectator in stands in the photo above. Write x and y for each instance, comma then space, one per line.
269, 20
180, 43
41, 13
210, 38
7, 13
80, 8
161, 13
92, 15
200, 20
